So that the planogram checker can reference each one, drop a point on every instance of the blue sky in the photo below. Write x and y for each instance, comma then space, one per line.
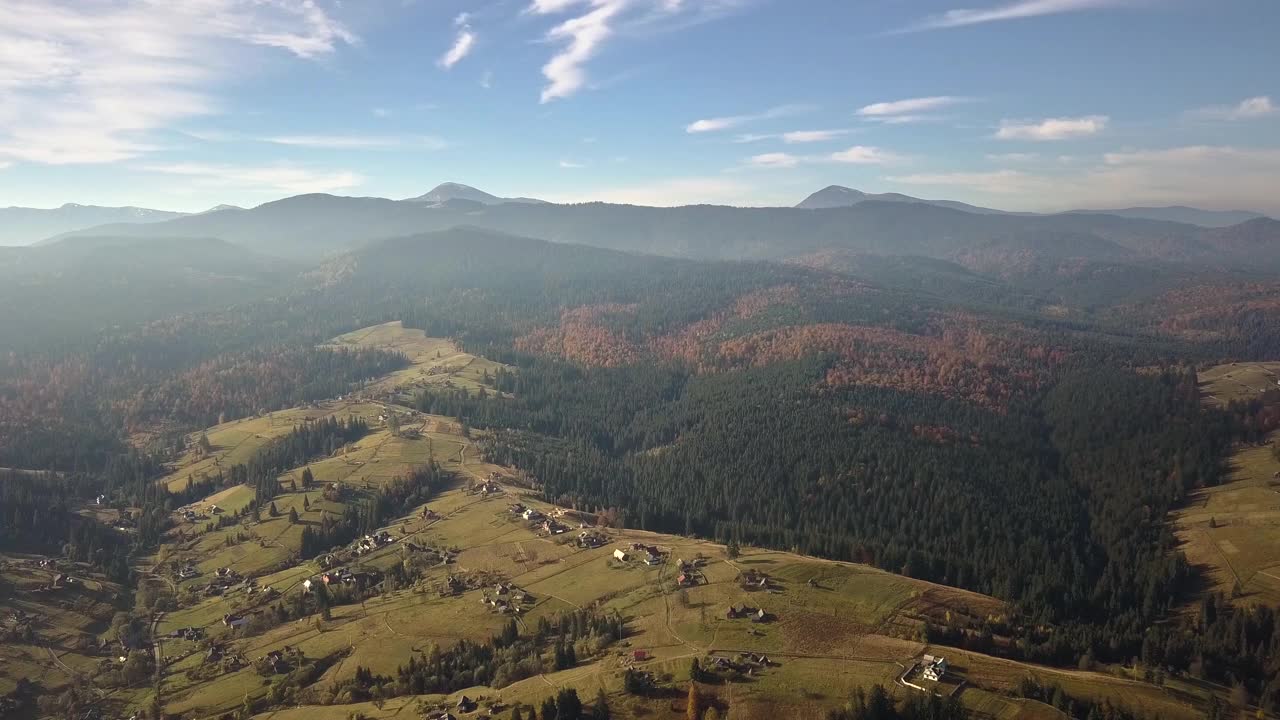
1019, 104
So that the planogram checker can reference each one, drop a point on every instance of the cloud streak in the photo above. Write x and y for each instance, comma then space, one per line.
1052, 128
1020, 10
359, 142
717, 124
910, 107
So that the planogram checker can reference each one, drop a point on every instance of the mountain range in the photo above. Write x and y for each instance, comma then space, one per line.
24, 226
310, 227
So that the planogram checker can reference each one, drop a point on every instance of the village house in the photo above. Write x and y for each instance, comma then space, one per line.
620, 555
187, 572
531, 514
934, 668
234, 621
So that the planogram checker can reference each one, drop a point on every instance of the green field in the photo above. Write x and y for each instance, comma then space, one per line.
433, 362
1239, 381
1233, 531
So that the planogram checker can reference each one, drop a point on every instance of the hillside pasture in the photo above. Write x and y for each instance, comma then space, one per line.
1239, 381
433, 362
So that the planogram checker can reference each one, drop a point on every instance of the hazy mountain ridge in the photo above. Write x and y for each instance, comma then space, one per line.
309, 227
24, 226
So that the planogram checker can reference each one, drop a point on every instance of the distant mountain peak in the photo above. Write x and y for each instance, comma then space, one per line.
839, 196
447, 191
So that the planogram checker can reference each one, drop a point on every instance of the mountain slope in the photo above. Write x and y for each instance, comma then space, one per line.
23, 226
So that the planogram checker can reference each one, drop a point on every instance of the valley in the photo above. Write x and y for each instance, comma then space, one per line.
232, 586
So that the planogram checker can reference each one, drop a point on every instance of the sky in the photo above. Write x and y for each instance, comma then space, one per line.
1017, 104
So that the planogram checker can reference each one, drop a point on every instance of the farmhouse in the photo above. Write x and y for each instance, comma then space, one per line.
187, 572
935, 668
620, 555
234, 621
531, 514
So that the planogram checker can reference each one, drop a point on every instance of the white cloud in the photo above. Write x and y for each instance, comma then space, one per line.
486, 79
907, 110
381, 112
864, 155
1249, 109
1052, 128
856, 155
92, 82
1013, 157
1018, 10
583, 35
717, 124
671, 192
462, 44
274, 179
360, 142
774, 160
811, 136
571, 165
598, 21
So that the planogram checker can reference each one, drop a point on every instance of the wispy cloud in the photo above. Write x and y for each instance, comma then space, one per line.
727, 122
1052, 128
911, 110
812, 136
1013, 157
1018, 10
855, 155
463, 42
774, 160
360, 142
486, 79
571, 165
1249, 109
596, 22
795, 137
272, 179
91, 82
